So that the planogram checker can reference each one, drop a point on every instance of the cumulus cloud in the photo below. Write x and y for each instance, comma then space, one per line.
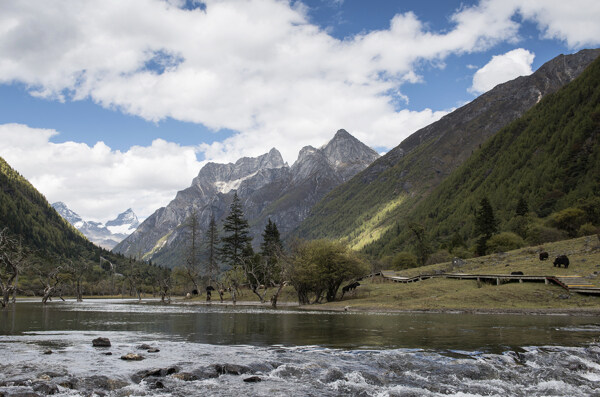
502, 68
254, 66
258, 67
96, 181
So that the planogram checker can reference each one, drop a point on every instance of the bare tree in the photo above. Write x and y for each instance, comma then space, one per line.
13, 257
193, 250
52, 281
78, 271
164, 284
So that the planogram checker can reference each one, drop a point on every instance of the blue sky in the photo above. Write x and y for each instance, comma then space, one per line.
112, 104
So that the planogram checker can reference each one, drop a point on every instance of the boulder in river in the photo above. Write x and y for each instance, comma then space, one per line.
101, 342
253, 379
132, 357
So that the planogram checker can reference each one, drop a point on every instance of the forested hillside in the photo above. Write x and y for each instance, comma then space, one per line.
376, 202
42, 254
25, 212
541, 175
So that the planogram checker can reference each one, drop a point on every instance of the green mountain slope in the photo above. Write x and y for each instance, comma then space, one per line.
26, 213
377, 201
550, 157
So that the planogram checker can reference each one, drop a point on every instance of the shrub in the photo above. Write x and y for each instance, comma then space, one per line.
462, 252
505, 241
539, 234
587, 229
404, 260
439, 257
569, 220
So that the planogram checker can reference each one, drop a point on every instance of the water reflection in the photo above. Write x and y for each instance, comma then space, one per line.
263, 327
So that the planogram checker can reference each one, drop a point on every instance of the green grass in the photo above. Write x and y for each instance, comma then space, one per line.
451, 294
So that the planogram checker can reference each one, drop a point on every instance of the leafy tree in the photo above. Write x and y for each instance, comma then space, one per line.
486, 225
404, 260
505, 241
321, 266
237, 235
569, 220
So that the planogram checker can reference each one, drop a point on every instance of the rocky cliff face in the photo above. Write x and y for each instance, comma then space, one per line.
423, 160
267, 187
105, 235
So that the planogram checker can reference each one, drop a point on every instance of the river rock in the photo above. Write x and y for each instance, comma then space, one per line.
153, 350
144, 346
45, 388
132, 357
154, 372
253, 379
48, 352
101, 342
232, 369
98, 383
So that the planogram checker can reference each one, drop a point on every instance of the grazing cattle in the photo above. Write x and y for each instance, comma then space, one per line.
516, 273
561, 260
349, 287
194, 292
543, 256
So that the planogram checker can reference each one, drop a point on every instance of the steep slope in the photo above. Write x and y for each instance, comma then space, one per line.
26, 213
550, 157
105, 236
366, 207
267, 187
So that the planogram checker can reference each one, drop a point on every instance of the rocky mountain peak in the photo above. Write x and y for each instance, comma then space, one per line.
127, 217
347, 155
64, 211
267, 186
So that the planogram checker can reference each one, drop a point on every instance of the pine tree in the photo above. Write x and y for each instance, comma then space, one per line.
237, 234
212, 242
271, 249
522, 207
486, 225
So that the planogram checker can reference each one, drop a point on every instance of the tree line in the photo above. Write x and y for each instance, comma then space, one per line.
229, 263
217, 260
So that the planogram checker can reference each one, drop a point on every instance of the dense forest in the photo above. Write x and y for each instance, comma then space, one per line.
540, 175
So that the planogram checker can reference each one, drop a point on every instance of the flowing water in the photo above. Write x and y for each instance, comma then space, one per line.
212, 350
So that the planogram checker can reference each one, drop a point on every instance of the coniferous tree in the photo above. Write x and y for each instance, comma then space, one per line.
237, 234
271, 249
522, 207
485, 225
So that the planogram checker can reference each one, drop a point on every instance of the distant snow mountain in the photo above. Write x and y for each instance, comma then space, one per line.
105, 235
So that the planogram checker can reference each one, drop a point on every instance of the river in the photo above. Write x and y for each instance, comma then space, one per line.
213, 350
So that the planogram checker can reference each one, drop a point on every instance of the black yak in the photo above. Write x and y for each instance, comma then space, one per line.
561, 260
349, 287
543, 256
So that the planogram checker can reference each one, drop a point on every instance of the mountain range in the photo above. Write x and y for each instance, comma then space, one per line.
104, 235
378, 200
266, 186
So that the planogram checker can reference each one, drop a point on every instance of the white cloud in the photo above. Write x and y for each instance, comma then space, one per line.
254, 66
502, 68
98, 182
574, 22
